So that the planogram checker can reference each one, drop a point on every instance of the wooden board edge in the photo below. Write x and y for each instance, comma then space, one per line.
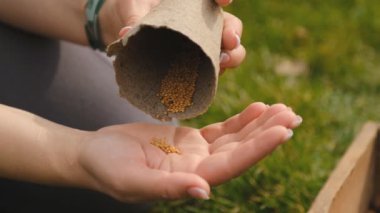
364, 141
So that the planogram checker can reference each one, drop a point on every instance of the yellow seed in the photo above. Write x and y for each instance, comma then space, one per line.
178, 86
164, 146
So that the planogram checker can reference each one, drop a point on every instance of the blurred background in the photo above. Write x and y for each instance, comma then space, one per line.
322, 58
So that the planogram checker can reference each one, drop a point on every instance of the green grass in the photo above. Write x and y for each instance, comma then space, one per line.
340, 42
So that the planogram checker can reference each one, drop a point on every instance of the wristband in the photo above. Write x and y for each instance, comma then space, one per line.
92, 26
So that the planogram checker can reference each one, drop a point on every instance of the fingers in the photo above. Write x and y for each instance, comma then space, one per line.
223, 166
232, 31
233, 124
275, 115
233, 53
287, 119
233, 58
255, 124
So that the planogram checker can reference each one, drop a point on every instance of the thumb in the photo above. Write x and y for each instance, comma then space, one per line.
133, 15
130, 22
178, 185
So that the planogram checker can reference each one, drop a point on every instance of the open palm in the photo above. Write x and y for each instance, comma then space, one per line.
129, 168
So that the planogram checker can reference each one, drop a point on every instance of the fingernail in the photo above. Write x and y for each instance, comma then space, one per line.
298, 121
238, 40
199, 193
224, 58
289, 135
124, 30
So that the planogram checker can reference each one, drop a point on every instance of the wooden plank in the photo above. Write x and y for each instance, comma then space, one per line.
350, 186
376, 198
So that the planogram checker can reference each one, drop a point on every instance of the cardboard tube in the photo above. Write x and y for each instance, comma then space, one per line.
144, 55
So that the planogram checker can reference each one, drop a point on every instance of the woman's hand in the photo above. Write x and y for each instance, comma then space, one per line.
126, 166
118, 16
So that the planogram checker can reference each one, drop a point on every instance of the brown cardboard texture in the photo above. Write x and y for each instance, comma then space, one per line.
176, 45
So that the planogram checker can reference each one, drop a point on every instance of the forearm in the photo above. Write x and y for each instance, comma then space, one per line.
37, 150
60, 19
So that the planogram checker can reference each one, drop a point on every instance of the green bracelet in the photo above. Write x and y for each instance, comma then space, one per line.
92, 26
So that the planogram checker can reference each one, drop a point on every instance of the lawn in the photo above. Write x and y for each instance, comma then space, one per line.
337, 45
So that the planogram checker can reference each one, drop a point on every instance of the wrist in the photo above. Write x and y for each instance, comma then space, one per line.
37, 150
68, 145
63, 147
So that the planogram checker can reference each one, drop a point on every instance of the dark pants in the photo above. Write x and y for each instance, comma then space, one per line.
68, 84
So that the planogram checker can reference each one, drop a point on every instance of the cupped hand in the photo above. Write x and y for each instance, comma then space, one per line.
117, 17
124, 164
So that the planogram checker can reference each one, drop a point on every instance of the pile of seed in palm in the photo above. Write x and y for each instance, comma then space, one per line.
178, 86
164, 146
